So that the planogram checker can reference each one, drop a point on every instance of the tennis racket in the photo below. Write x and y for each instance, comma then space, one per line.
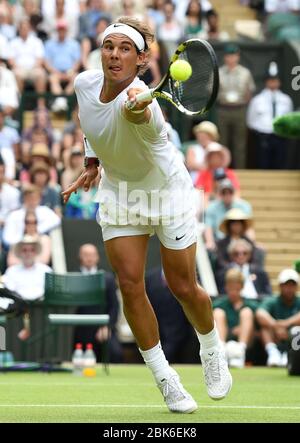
196, 95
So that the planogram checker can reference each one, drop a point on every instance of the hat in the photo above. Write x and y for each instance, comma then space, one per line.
215, 147
272, 72
76, 151
226, 184
209, 128
28, 240
288, 275
232, 48
40, 149
219, 174
235, 214
61, 24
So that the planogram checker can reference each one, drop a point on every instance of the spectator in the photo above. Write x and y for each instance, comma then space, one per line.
235, 225
31, 229
63, 60
72, 7
15, 222
205, 133
271, 149
236, 88
234, 316
276, 315
89, 264
170, 31
91, 48
9, 94
40, 177
182, 5
72, 171
215, 158
216, 212
96, 9
156, 12
9, 147
49, 24
24, 10
176, 334
9, 197
27, 278
39, 153
6, 28
193, 19
257, 283
212, 31
26, 60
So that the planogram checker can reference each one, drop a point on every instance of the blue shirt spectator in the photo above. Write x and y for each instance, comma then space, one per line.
62, 55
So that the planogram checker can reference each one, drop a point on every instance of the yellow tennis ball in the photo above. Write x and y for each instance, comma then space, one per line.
89, 372
181, 70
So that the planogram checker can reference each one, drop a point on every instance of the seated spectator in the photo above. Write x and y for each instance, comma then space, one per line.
182, 5
235, 225
205, 133
82, 205
215, 158
40, 177
49, 23
193, 19
277, 315
6, 28
212, 31
91, 58
217, 209
27, 279
39, 153
89, 260
9, 197
272, 6
26, 59
41, 120
257, 283
156, 12
170, 32
62, 61
9, 146
31, 229
15, 222
9, 93
176, 334
73, 168
96, 9
234, 316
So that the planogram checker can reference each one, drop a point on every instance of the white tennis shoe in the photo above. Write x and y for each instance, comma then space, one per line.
175, 396
217, 377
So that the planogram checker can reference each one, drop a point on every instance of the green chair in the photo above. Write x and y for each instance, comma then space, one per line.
2, 320
72, 290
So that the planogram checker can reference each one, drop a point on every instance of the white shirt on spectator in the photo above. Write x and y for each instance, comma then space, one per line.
8, 88
25, 53
9, 200
3, 47
260, 110
14, 225
9, 160
29, 283
282, 5
71, 7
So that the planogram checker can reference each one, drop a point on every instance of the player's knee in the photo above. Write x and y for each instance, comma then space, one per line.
183, 290
130, 285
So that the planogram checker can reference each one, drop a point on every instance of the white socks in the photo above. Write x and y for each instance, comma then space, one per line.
270, 347
209, 341
156, 361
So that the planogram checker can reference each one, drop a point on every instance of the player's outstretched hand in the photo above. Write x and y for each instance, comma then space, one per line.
84, 180
132, 93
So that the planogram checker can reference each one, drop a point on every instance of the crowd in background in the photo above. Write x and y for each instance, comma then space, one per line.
43, 46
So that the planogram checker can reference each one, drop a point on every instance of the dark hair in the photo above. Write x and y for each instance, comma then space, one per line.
200, 10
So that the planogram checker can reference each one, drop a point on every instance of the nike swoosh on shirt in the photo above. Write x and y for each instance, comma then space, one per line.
179, 238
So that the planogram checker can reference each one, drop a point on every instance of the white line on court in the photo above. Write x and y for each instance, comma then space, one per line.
146, 406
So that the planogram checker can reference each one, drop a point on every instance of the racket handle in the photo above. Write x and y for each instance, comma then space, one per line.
141, 97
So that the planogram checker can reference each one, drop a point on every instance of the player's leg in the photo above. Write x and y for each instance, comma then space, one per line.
127, 256
179, 266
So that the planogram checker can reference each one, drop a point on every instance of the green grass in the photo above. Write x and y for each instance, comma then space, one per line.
128, 395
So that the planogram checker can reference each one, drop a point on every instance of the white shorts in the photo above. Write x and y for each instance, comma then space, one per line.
168, 212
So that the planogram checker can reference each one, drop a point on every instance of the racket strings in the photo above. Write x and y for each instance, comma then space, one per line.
196, 93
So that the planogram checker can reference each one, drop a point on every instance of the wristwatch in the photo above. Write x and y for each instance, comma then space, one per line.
91, 161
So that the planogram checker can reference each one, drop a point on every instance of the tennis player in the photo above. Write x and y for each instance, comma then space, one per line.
135, 155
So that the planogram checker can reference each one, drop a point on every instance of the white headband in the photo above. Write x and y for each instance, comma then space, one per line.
121, 28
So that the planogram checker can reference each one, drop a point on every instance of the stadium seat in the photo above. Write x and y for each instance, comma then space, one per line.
72, 290
2, 320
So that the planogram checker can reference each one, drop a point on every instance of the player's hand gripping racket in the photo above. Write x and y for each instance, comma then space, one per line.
197, 94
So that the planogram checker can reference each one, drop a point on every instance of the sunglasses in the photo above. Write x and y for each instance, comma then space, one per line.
30, 222
236, 253
28, 250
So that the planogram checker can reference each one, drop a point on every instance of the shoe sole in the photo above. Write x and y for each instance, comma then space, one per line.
188, 411
225, 395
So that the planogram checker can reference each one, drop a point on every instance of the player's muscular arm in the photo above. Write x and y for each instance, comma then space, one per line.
131, 114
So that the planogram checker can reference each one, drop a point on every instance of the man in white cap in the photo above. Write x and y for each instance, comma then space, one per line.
277, 315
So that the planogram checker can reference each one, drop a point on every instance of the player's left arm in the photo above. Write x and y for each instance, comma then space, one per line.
141, 112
